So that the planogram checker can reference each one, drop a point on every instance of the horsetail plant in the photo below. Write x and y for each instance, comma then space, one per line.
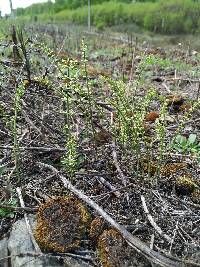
129, 126
68, 72
160, 130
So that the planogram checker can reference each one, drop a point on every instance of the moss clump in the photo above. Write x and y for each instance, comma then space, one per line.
185, 107
175, 99
185, 185
61, 224
102, 137
26, 83
172, 168
175, 102
152, 116
166, 170
96, 228
110, 245
196, 196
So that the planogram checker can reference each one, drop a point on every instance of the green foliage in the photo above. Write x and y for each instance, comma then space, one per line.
69, 71
35, 9
162, 17
167, 17
2, 170
69, 160
187, 145
172, 17
129, 127
6, 212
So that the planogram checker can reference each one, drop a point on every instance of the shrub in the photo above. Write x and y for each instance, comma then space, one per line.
167, 17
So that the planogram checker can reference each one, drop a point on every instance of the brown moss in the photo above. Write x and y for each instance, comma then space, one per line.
150, 166
147, 130
175, 99
152, 116
96, 228
176, 103
185, 185
172, 168
196, 196
5, 193
110, 245
167, 170
102, 137
62, 55
26, 83
40, 82
185, 107
61, 223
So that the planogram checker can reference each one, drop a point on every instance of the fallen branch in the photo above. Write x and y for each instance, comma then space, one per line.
46, 126
150, 254
113, 191
40, 148
48, 255
152, 222
108, 185
37, 248
18, 209
29, 121
179, 155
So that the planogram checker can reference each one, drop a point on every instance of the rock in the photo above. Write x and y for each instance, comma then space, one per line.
4, 252
20, 243
70, 262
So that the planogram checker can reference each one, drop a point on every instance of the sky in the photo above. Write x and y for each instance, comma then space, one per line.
5, 6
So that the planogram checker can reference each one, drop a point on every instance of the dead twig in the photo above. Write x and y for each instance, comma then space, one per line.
45, 149
104, 105
173, 238
29, 121
48, 255
113, 191
152, 222
184, 123
182, 79
18, 209
108, 185
122, 176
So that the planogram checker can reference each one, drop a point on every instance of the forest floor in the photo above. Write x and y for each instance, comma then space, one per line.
156, 197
